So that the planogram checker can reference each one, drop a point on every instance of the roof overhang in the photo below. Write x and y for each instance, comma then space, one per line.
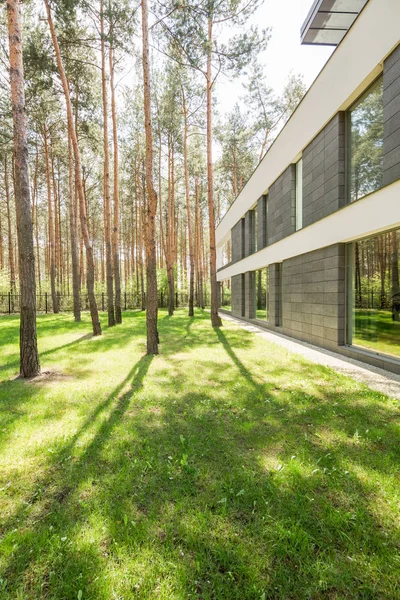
329, 20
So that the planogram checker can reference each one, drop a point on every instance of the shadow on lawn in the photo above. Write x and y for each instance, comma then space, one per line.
230, 498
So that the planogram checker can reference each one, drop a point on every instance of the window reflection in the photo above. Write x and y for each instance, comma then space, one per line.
226, 295
262, 294
366, 143
376, 303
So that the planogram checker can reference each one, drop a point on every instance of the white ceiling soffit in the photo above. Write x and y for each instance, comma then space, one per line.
329, 20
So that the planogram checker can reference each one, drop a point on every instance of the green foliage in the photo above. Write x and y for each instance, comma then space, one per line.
225, 468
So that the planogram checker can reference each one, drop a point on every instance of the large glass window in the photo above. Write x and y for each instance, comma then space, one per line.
225, 296
375, 298
366, 143
262, 294
226, 253
299, 194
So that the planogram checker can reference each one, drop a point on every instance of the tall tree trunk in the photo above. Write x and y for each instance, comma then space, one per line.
78, 179
151, 260
54, 296
29, 356
35, 206
188, 209
170, 230
1, 244
116, 261
107, 200
215, 318
11, 259
74, 235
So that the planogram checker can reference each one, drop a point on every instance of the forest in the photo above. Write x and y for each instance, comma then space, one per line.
131, 152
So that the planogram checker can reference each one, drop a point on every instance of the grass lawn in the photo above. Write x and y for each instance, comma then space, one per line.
375, 330
223, 469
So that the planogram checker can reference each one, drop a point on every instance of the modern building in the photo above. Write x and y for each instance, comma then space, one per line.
315, 233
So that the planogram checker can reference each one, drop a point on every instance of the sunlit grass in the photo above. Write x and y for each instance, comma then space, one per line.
224, 468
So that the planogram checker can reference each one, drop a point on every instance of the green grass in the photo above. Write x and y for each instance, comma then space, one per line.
377, 331
224, 469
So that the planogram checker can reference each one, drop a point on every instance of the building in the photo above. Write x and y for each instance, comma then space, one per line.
315, 233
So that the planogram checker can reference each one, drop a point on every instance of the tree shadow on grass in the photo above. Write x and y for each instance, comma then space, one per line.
216, 493
52, 495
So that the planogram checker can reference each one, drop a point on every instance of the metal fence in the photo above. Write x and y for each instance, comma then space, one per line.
10, 302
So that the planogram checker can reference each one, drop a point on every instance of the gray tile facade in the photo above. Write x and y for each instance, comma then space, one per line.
281, 220
249, 233
249, 295
391, 118
237, 241
238, 304
324, 172
313, 290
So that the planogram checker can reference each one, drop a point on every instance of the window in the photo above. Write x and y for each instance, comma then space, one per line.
262, 294
366, 143
375, 294
226, 253
299, 194
225, 296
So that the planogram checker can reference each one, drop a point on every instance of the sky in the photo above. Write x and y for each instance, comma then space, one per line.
284, 53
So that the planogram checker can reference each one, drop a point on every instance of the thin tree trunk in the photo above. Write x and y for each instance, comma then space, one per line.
215, 318
54, 296
107, 199
11, 259
1, 244
116, 261
78, 178
74, 236
29, 356
151, 261
188, 209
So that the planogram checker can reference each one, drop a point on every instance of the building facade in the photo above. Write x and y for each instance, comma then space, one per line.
314, 235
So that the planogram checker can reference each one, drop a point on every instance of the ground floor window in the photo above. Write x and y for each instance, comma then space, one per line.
375, 294
262, 294
226, 295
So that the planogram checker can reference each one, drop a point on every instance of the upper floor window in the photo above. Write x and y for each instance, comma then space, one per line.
366, 143
299, 194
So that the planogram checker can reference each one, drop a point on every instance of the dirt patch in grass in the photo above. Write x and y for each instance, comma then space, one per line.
47, 377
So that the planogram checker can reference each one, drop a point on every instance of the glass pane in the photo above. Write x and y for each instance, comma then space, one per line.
226, 295
366, 143
376, 293
262, 294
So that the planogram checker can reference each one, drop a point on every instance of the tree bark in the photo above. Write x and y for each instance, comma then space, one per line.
74, 236
54, 296
151, 261
1, 244
188, 209
29, 356
11, 259
106, 173
116, 261
78, 179
215, 318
